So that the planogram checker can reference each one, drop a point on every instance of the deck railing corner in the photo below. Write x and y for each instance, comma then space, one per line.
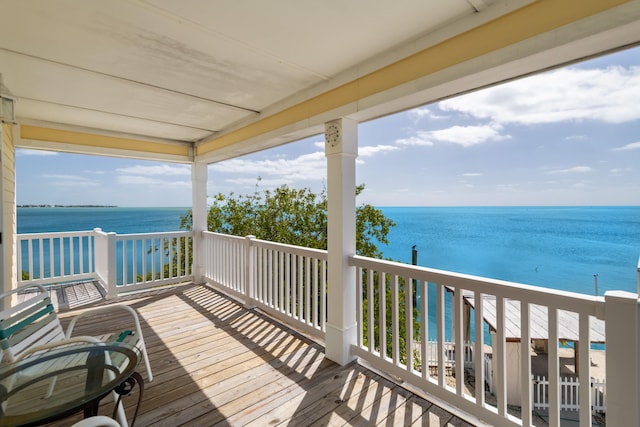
249, 275
105, 262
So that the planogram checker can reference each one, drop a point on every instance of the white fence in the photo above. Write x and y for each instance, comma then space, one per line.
121, 262
569, 394
431, 359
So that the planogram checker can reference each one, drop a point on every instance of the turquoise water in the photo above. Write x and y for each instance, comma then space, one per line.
555, 247
118, 220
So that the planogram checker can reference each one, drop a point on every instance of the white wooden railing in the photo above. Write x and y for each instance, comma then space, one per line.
385, 287
121, 262
288, 282
153, 259
55, 257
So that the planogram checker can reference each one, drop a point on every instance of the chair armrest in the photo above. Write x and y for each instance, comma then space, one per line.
106, 309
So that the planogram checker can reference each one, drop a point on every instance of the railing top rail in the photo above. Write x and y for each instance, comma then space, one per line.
54, 234
156, 234
301, 250
223, 236
572, 301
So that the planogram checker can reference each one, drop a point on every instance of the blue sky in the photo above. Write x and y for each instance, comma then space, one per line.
566, 137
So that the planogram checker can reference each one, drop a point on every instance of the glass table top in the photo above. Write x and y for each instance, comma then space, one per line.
62, 381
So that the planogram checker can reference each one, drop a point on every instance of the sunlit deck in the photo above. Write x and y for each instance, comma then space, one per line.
217, 363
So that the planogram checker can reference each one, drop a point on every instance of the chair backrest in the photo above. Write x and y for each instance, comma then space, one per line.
30, 322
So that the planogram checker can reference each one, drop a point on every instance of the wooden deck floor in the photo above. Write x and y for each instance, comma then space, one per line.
216, 363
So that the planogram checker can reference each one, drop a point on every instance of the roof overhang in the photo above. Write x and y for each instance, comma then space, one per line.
210, 81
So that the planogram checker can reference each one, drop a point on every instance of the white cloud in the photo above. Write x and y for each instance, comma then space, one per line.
577, 138
277, 171
576, 169
608, 95
471, 174
372, 150
137, 180
421, 138
631, 146
424, 112
62, 180
65, 177
310, 166
466, 136
166, 170
144, 180
29, 152
620, 171
263, 183
508, 187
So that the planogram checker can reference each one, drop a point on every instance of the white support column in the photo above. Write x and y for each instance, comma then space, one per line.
249, 276
622, 317
199, 217
10, 284
341, 151
112, 262
106, 260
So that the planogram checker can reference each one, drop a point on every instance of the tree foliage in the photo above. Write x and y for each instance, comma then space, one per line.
291, 216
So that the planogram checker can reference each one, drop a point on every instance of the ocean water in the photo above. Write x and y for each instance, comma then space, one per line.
118, 220
555, 247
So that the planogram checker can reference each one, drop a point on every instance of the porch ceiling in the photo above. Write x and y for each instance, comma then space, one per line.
171, 80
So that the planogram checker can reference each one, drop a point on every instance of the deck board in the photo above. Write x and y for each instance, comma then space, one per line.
217, 363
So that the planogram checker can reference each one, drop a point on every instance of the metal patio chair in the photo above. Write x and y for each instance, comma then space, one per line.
30, 325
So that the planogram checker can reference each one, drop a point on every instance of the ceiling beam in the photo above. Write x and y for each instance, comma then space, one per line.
46, 138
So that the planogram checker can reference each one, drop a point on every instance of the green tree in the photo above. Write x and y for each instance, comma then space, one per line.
291, 216
299, 217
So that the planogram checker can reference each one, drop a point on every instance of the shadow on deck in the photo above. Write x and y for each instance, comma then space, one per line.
217, 363
77, 294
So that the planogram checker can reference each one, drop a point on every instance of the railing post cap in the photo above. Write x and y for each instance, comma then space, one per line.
250, 237
620, 295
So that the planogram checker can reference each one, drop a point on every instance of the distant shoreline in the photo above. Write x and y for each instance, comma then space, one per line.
67, 206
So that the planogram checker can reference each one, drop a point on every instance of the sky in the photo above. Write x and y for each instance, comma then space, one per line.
570, 136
